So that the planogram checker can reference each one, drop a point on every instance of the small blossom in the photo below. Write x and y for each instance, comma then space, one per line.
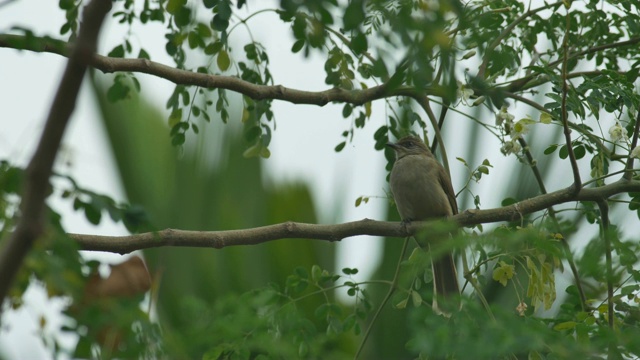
635, 153
520, 128
617, 133
511, 147
521, 308
463, 92
503, 115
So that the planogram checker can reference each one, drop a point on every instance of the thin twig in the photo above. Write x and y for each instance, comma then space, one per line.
604, 216
628, 173
577, 183
497, 41
443, 115
423, 101
392, 289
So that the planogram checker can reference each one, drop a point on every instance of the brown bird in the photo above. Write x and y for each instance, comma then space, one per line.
422, 191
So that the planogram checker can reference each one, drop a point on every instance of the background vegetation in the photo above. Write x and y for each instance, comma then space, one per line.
450, 71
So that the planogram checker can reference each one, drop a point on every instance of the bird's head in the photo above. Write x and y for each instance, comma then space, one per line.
409, 145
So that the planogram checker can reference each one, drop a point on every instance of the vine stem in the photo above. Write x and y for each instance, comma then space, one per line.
392, 289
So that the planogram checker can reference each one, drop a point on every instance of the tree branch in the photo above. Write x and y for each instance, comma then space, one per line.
184, 77
31, 223
294, 230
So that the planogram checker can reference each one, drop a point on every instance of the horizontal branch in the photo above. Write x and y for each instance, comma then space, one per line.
294, 230
184, 77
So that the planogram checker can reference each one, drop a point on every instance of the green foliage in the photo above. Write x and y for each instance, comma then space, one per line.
111, 327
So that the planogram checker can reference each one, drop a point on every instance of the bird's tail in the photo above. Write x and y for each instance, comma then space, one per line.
445, 276
445, 281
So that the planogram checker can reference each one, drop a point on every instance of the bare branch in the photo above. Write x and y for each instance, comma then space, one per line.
294, 230
31, 223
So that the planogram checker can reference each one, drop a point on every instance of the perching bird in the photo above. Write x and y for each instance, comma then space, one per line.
422, 191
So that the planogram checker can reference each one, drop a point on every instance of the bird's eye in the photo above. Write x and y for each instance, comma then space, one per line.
408, 145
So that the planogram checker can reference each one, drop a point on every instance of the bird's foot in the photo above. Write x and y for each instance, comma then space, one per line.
405, 225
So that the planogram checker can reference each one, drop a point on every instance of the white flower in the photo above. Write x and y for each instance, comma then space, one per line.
635, 153
503, 116
521, 308
511, 147
520, 128
617, 133
463, 93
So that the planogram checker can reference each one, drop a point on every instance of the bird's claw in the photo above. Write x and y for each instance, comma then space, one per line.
405, 225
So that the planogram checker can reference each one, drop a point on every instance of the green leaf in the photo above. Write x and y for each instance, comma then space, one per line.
297, 46
117, 52
550, 149
340, 146
416, 299
402, 304
143, 55
359, 43
564, 153
567, 325
183, 17
66, 4
93, 214
353, 15
178, 139
174, 5
579, 151
223, 60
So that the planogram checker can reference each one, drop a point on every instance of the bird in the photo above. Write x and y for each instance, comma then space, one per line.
422, 190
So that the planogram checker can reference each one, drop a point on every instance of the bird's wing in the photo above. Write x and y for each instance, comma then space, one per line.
445, 181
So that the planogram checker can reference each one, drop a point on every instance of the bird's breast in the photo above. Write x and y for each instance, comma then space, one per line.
417, 190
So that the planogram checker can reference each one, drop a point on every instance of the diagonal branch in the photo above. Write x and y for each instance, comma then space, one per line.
31, 223
337, 232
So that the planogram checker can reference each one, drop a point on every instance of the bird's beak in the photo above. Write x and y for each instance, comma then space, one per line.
394, 146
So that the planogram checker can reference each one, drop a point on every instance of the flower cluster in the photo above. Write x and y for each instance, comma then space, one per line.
617, 133
464, 93
515, 130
